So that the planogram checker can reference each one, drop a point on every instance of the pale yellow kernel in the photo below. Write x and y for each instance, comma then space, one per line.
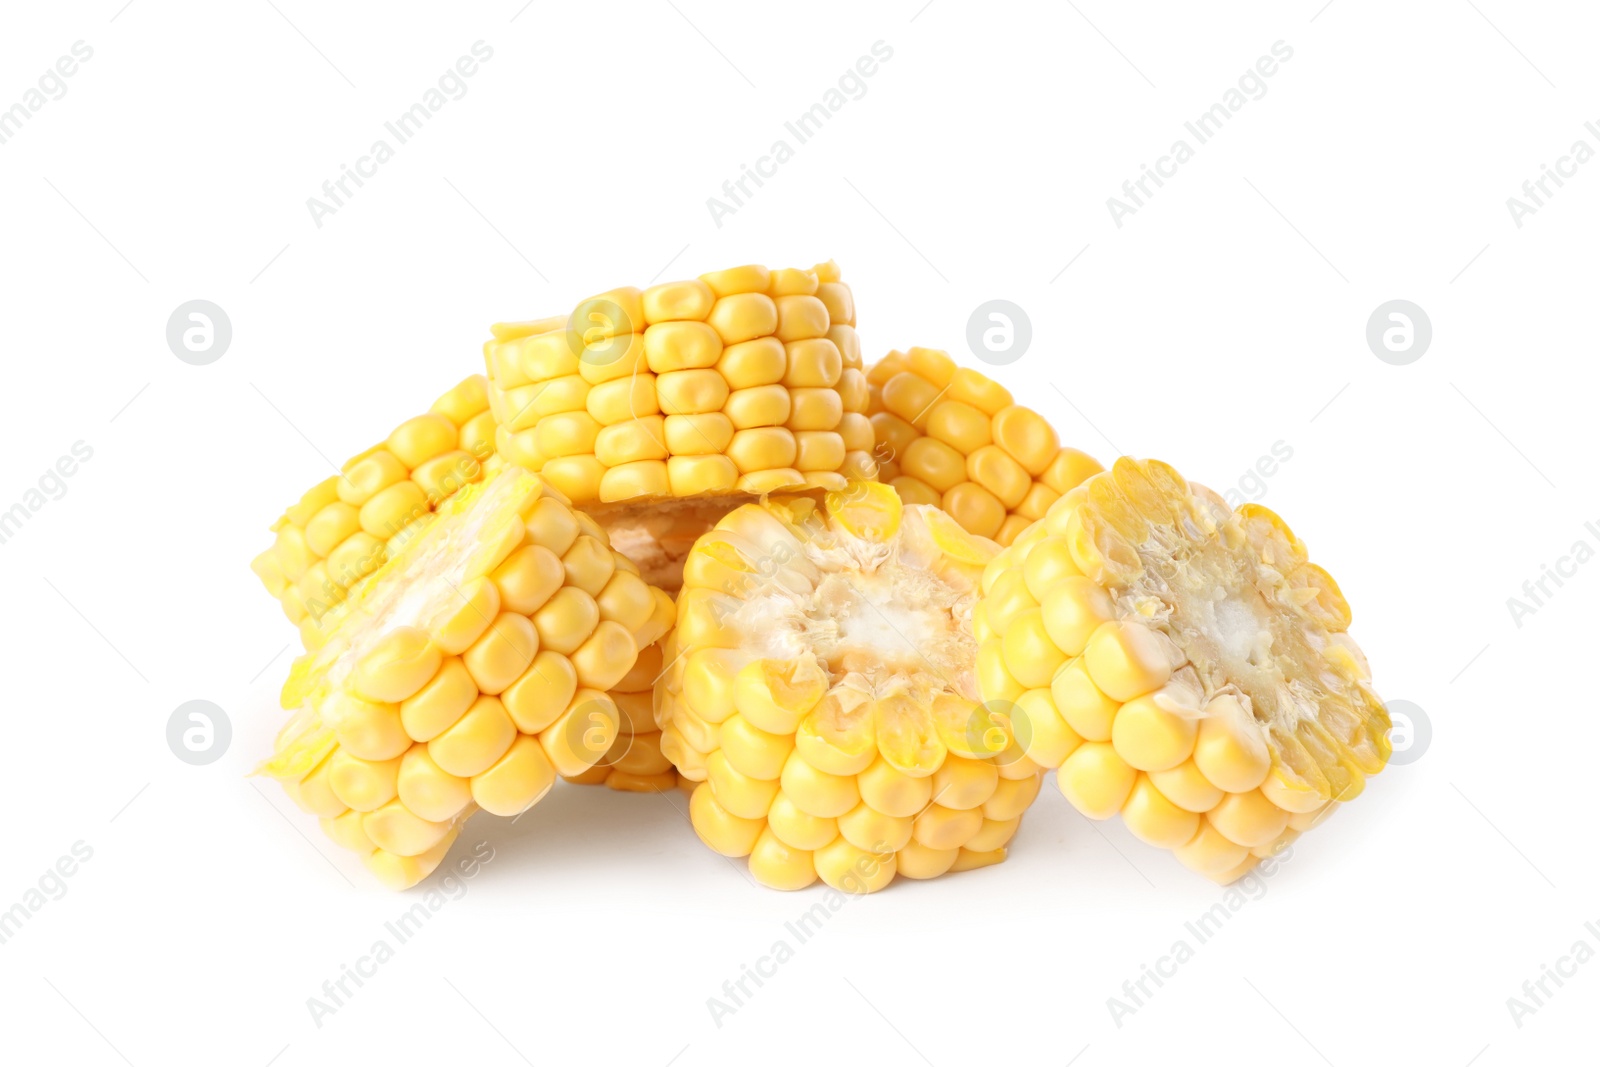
935, 463
517, 781
1043, 734
815, 362
867, 828
916, 860
1209, 853
1156, 820
753, 278
362, 785
1012, 796
566, 621
473, 743
995, 833
892, 791
418, 440
503, 653
1126, 659
1186, 787
677, 300
1151, 736
777, 865
801, 317
395, 829
397, 665
849, 869
743, 317
1073, 607
940, 827
362, 479
718, 827
428, 790
739, 793
797, 828
1248, 819
1231, 748
1031, 657
816, 409
817, 792
754, 363
1096, 780
753, 751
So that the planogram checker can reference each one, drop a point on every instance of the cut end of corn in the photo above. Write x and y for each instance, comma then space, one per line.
344, 527
469, 671
822, 692
948, 436
1183, 664
659, 410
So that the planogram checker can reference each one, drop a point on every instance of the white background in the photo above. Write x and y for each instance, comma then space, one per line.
1227, 315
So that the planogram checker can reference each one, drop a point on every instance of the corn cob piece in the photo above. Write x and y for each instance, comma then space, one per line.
658, 411
1183, 664
821, 691
344, 526
467, 672
950, 437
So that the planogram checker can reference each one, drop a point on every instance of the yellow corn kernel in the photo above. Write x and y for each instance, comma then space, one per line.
743, 317
428, 790
517, 781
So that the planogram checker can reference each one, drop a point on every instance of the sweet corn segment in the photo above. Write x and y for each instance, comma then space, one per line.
948, 436
821, 690
1182, 664
659, 410
344, 527
468, 672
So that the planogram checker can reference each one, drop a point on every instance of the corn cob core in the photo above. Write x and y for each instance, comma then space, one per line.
1182, 663
821, 691
345, 526
658, 411
950, 437
467, 672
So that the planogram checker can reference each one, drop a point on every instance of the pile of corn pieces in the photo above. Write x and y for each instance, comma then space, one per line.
687, 537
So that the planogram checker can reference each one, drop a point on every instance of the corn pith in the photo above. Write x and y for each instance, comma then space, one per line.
1183, 664
659, 410
467, 672
821, 691
950, 437
345, 526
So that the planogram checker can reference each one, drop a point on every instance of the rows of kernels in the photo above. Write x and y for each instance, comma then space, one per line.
740, 381
345, 526
484, 706
948, 436
1121, 714
635, 762
810, 783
